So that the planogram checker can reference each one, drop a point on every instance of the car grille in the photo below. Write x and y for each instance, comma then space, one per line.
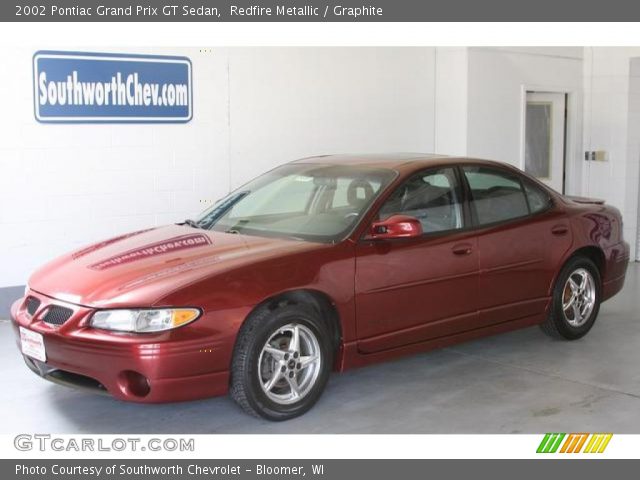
57, 315
32, 305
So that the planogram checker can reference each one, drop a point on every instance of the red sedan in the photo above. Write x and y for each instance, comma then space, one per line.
323, 264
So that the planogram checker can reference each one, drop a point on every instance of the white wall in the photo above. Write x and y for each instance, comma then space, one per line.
610, 124
66, 185
497, 77
452, 92
633, 148
288, 103
480, 100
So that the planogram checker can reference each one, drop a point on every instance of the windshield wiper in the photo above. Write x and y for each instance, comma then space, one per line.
191, 223
222, 207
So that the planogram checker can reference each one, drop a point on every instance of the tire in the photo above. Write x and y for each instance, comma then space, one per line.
266, 366
563, 321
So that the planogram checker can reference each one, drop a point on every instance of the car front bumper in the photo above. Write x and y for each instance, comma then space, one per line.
177, 365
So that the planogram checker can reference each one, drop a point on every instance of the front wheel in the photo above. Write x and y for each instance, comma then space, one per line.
576, 300
281, 362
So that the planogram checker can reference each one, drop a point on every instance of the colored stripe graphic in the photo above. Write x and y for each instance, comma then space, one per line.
574, 443
550, 443
581, 442
597, 442
543, 443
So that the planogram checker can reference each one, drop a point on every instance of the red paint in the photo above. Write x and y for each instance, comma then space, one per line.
163, 247
392, 296
396, 226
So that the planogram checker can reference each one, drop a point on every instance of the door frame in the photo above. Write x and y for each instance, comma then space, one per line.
571, 183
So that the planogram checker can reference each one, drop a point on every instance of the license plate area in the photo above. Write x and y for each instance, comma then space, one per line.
32, 344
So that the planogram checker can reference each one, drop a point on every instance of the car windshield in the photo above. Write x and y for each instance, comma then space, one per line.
303, 201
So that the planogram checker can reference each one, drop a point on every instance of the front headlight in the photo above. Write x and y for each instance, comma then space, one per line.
144, 320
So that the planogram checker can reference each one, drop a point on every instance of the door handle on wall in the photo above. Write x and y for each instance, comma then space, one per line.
462, 249
559, 229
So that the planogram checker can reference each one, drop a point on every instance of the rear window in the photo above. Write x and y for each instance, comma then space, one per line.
538, 198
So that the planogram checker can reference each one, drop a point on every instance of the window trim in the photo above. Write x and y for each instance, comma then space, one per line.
476, 225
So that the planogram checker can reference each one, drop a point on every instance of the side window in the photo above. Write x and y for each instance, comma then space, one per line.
538, 199
431, 197
496, 195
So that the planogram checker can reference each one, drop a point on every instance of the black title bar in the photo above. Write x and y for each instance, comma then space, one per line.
317, 11
314, 469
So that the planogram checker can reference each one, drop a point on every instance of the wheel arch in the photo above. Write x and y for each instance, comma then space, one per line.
320, 301
592, 252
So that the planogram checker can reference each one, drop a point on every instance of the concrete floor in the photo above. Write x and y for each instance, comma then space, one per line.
521, 382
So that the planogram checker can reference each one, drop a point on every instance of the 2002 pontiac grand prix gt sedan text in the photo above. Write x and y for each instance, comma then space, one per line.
322, 264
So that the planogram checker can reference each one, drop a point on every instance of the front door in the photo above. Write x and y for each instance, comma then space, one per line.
412, 290
544, 148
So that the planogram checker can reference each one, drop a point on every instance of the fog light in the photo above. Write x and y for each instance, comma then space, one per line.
134, 383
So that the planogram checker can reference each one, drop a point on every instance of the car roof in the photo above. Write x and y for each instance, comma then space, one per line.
395, 161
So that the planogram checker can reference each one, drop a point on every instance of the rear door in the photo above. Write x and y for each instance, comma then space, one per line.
521, 239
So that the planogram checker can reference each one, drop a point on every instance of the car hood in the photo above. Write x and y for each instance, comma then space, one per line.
139, 268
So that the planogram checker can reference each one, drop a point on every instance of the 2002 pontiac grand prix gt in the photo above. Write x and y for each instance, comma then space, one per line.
321, 264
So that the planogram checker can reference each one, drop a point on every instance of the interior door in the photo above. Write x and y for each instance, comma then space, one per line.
411, 290
544, 138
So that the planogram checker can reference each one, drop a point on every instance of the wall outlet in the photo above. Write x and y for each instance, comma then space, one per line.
596, 156
601, 156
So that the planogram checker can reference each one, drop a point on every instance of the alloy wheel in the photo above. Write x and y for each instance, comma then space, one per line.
578, 297
289, 364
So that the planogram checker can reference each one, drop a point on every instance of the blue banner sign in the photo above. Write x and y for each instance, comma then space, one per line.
73, 87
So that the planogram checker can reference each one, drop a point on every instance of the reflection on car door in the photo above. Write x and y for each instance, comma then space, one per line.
412, 290
520, 245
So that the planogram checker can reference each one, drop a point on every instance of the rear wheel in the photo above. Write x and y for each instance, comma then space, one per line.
281, 362
576, 300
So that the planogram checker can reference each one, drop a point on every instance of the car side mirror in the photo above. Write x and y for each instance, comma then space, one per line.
396, 226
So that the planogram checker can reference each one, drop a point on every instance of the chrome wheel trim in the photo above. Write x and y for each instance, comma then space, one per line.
578, 297
289, 364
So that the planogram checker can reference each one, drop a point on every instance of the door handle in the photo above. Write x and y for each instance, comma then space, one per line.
462, 249
559, 230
